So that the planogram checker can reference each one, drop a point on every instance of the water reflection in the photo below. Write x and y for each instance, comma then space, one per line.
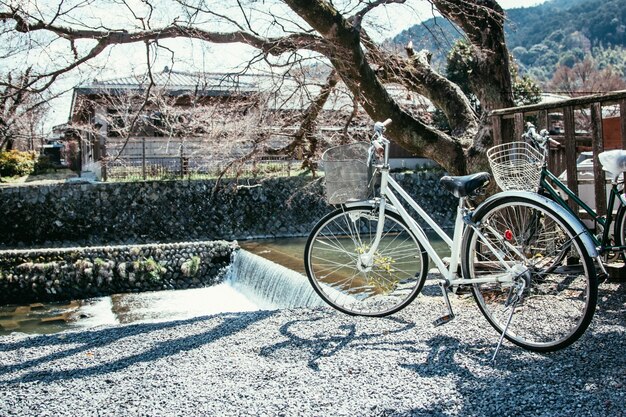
285, 252
43, 318
290, 252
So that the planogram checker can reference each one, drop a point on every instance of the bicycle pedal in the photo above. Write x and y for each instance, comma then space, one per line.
443, 320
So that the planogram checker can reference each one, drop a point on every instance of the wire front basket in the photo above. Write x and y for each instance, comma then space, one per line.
516, 166
346, 173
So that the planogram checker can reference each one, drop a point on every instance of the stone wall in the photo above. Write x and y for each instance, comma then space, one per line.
82, 222
171, 211
73, 273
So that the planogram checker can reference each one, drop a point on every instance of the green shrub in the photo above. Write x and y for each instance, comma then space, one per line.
43, 164
17, 163
190, 267
149, 269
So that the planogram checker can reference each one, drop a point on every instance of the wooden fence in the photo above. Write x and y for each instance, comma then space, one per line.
578, 124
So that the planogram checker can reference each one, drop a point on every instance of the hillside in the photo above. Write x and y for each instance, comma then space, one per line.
543, 36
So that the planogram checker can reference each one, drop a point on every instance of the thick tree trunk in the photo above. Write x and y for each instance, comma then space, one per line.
483, 23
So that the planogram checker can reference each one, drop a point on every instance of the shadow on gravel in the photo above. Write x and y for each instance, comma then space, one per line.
323, 345
572, 381
88, 340
611, 305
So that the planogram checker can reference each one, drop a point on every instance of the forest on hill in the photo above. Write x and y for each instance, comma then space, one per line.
544, 38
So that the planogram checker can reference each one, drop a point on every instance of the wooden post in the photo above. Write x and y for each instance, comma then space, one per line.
615, 272
519, 127
182, 157
104, 160
570, 153
496, 125
542, 120
597, 145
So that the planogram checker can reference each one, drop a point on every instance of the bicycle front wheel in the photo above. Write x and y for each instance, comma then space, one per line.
530, 241
346, 278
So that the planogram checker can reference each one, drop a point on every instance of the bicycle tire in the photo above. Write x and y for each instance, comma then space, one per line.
619, 228
394, 278
559, 302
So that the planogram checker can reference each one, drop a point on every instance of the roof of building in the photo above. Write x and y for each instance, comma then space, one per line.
178, 82
284, 92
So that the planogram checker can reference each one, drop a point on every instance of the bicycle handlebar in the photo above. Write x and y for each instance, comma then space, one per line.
380, 144
540, 139
379, 127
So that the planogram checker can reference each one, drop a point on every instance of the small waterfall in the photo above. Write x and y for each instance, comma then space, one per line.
270, 285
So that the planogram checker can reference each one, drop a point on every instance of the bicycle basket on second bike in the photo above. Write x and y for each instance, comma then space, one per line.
516, 166
346, 173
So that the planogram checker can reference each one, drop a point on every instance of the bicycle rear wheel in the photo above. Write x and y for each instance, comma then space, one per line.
560, 293
338, 272
619, 228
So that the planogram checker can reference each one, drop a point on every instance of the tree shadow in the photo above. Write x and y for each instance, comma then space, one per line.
88, 340
519, 382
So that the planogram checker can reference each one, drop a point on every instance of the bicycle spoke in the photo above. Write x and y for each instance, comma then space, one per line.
382, 282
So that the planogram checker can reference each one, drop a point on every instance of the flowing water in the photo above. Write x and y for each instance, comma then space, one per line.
266, 274
280, 287
253, 283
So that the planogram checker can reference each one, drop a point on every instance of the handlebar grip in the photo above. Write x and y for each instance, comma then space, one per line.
386, 122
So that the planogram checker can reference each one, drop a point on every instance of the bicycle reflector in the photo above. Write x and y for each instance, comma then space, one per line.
508, 235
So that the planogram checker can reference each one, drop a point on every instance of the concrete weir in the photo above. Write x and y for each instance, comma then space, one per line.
268, 284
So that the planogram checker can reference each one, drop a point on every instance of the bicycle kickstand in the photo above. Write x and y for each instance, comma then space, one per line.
448, 317
493, 358
512, 301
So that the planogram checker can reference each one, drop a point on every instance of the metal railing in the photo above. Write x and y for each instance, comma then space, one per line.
144, 158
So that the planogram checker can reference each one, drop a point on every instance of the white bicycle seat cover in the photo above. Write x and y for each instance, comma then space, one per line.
613, 162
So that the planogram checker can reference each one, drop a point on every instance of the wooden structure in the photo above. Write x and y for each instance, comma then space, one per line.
604, 133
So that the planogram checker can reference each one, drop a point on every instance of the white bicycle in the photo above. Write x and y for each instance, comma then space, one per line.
528, 261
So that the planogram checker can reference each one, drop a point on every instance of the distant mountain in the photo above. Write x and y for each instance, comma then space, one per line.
541, 37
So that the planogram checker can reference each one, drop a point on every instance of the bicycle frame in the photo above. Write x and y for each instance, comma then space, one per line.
549, 182
511, 241
388, 189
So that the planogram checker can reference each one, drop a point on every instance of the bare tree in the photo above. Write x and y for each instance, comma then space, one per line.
585, 78
336, 32
21, 113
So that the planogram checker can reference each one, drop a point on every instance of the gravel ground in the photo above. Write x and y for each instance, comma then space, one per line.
316, 362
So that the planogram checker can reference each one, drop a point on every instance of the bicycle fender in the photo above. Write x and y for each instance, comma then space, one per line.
357, 203
574, 222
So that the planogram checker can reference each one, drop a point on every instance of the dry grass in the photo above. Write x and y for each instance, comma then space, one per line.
50, 177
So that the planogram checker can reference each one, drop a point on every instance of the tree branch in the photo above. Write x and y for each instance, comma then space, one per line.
351, 64
358, 16
104, 38
417, 75
483, 23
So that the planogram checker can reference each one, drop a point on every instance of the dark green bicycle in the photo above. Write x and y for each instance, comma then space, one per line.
523, 166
